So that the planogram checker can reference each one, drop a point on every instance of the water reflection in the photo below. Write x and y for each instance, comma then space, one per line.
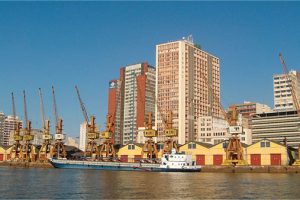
84, 184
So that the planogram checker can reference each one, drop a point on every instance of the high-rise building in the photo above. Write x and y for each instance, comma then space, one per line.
283, 99
82, 136
9, 124
2, 120
131, 98
188, 84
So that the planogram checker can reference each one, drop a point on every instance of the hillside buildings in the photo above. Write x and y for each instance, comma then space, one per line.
188, 83
131, 98
283, 99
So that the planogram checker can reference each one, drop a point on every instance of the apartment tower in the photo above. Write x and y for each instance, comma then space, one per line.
188, 84
130, 100
283, 99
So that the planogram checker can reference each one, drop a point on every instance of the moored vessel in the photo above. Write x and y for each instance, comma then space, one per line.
174, 162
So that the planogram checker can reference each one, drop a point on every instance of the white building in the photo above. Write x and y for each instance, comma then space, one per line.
82, 136
212, 130
283, 99
9, 125
188, 84
71, 142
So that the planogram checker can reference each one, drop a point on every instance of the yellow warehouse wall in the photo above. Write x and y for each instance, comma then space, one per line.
266, 152
200, 150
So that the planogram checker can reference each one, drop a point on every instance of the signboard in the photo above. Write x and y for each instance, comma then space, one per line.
235, 129
113, 84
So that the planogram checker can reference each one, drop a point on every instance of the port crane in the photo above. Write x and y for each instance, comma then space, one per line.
58, 149
45, 151
91, 147
292, 87
16, 149
27, 151
234, 149
107, 147
150, 147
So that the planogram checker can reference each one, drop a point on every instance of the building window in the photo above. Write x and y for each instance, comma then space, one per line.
192, 146
131, 147
265, 144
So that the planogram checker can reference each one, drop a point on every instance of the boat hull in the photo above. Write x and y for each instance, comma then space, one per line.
116, 166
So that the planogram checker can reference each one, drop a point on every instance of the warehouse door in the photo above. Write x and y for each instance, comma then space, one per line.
124, 158
255, 159
275, 159
218, 159
1, 157
200, 159
137, 158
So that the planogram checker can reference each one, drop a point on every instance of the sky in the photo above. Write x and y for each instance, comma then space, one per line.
85, 43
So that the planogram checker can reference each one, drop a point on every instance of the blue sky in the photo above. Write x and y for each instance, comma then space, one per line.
85, 43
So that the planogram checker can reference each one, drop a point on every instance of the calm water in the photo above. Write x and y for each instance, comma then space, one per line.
74, 184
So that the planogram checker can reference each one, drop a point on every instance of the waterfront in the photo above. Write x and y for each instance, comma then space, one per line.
33, 183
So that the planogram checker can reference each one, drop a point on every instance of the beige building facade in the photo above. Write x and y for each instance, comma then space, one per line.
188, 84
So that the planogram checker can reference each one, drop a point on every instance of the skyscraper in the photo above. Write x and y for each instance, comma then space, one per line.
131, 98
188, 84
283, 99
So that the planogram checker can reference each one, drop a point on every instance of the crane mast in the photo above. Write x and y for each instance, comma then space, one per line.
58, 149
91, 149
45, 151
27, 153
292, 87
234, 149
15, 151
107, 150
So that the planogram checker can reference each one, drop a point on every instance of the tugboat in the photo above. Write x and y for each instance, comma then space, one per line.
174, 162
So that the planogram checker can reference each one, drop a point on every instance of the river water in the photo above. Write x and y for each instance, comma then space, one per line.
31, 183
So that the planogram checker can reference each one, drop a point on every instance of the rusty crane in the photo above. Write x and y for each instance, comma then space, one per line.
27, 151
91, 149
16, 149
45, 151
58, 149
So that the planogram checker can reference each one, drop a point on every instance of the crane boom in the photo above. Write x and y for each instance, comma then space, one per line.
83, 109
25, 110
42, 108
54, 107
13, 108
290, 85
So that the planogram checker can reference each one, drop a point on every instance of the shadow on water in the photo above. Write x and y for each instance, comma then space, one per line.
74, 184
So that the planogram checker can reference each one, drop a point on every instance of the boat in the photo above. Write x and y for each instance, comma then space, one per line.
173, 162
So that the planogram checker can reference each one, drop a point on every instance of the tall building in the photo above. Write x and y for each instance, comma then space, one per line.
82, 136
188, 84
283, 99
131, 98
277, 125
2, 120
9, 125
